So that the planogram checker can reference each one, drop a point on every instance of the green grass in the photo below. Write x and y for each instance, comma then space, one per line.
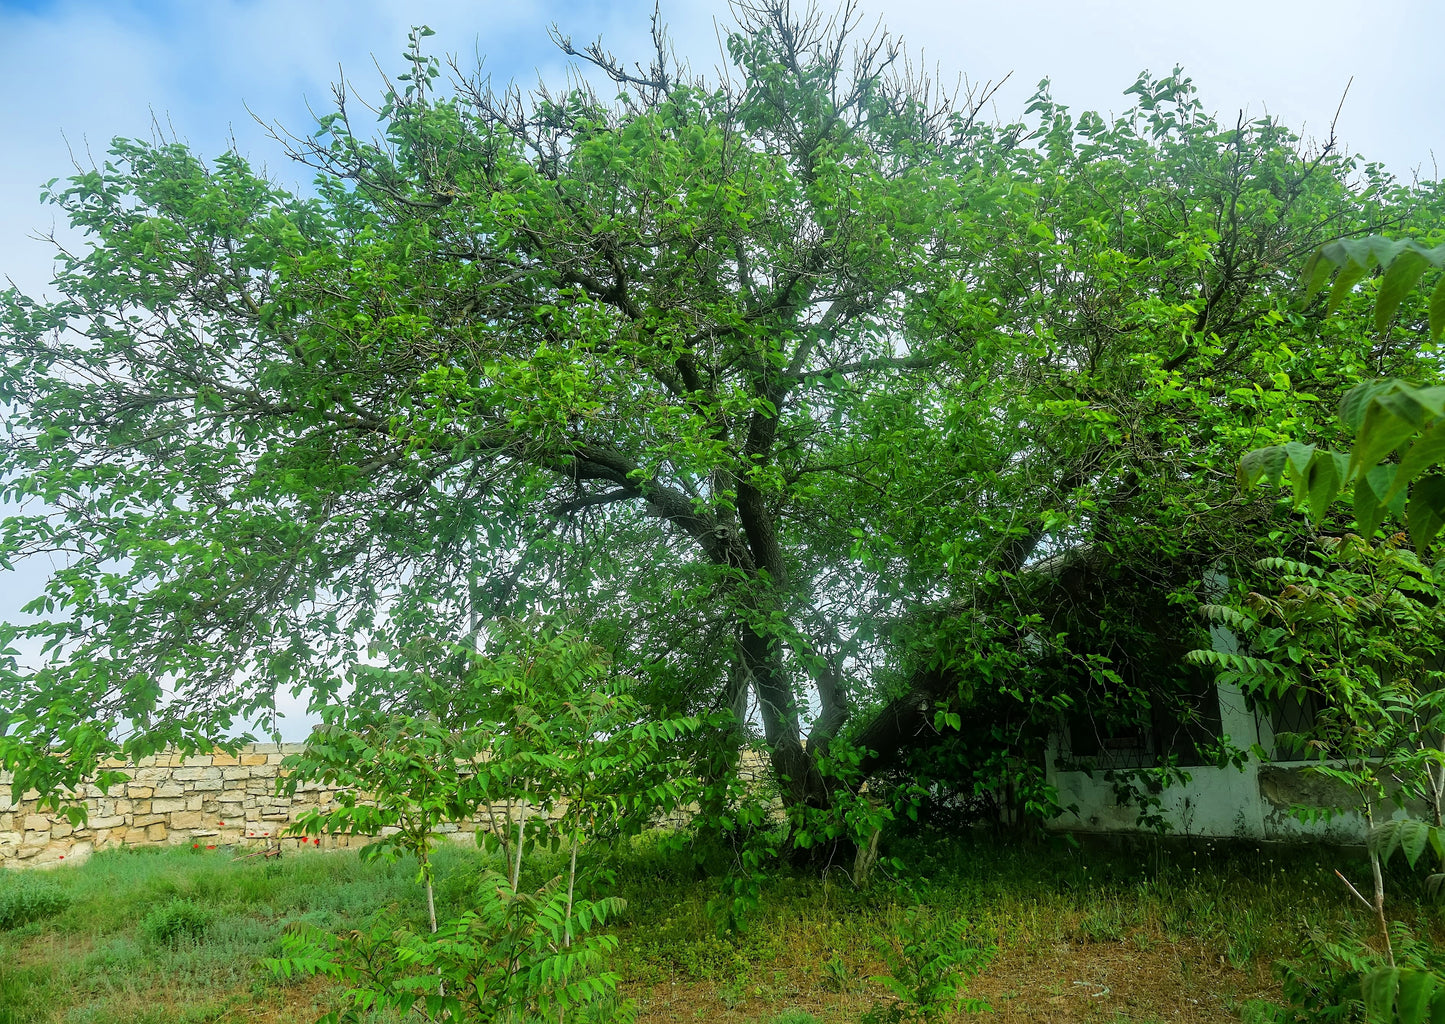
1235, 903
179, 935
183, 924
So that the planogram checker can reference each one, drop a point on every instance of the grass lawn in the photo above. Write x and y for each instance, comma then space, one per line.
1148, 933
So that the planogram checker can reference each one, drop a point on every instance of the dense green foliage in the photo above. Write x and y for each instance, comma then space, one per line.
514, 955
1353, 634
930, 962
1355, 638
805, 393
1392, 467
537, 741
833, 415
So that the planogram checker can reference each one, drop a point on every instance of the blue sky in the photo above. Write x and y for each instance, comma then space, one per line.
84, 71
77, 72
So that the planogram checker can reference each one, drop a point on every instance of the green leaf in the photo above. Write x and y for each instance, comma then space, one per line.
1399, 279
1358, 399
1431, 399
1349, 276
1323, 481
1300, 457
1263, 463
1378, 989
1416, 988
1437, 309
1381, 479
1437, 1007
1369, 510
1427, 452
1317, 272
1414, 841
1425, 513
1381, 431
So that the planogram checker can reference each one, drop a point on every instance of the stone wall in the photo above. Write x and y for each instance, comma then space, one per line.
206, 801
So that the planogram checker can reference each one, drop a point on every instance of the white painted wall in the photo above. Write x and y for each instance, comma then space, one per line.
1251, 802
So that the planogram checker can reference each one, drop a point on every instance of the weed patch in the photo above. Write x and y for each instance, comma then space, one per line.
28, 897
175, 921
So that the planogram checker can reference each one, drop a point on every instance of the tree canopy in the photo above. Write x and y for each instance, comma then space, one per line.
809, 392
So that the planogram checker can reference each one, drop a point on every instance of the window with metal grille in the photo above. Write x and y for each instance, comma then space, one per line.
1181, 728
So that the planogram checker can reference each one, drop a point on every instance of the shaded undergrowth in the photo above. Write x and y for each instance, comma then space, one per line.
170, 935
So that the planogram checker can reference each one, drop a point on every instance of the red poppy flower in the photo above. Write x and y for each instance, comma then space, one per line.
195, 846
212, 847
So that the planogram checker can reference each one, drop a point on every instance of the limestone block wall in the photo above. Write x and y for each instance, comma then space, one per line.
208, 800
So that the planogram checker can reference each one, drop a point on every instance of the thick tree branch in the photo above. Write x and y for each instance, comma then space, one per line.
869, 365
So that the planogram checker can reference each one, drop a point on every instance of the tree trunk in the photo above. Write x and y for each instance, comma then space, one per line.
521, 836
798, 778
1378, 877
571, 890
832, 708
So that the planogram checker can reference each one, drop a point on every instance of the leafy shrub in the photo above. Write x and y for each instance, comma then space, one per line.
25, 898
710, 957
1324, 984
837, 975
168, 923
516, 953
734, 995
930, 958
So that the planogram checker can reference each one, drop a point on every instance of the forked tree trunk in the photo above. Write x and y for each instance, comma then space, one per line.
799, 781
